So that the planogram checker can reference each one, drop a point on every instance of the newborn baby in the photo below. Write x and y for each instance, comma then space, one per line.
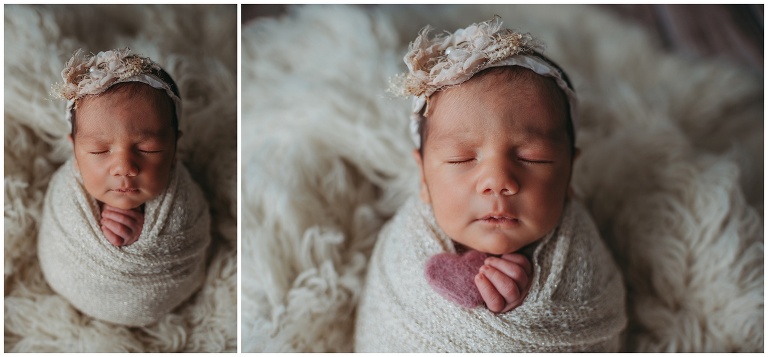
125, 229
494, 255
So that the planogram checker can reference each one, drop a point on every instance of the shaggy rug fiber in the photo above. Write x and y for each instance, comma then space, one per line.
197, 45
671, 169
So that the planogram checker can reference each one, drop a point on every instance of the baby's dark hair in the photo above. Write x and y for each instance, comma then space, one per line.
133, 88
514, 73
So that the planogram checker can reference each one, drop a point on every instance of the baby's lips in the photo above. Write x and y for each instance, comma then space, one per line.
126, 189
499, 215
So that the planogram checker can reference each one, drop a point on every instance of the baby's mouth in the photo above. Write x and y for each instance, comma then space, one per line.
500, 219
126, 190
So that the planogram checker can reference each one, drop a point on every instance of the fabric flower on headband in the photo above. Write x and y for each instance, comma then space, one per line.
92, 75
450, 59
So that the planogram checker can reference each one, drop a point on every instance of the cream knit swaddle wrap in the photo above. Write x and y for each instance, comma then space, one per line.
133, 285
575, 303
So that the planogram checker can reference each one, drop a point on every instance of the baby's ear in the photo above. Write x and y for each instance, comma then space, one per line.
423, 189
71, 139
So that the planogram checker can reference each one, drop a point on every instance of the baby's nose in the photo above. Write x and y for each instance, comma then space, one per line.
498, 180
124, 165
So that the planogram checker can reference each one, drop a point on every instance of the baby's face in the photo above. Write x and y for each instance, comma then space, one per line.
496, 165
124, 146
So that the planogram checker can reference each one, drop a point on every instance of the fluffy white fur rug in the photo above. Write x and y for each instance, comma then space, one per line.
198, 46
671, 169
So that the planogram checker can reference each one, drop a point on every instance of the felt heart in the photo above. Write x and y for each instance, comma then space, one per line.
453, 276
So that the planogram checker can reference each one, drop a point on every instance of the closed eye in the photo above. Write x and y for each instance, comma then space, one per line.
460, 161
534, 162
150, 151
98, 152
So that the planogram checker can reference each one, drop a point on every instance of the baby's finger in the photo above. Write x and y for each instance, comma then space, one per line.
505, 286
493, 300
129, 212
511, 269
521, 260
135, 236
113, 238
131, 240
120, 218
123, 231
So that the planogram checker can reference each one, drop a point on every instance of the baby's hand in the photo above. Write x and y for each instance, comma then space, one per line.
503, 282
121, 227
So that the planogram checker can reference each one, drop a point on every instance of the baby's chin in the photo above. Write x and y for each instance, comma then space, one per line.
495, 243
494, 250
126, 203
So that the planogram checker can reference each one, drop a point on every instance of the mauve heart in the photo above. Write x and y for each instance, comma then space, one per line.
453, 276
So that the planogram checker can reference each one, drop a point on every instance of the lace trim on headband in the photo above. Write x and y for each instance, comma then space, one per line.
450, 59
85, 75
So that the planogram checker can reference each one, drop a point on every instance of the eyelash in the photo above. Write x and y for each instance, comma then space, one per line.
460, 162
535, 162
525, 161
141, 151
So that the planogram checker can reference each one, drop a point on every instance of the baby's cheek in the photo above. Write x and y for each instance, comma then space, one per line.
94, 186
445, 215
158, 183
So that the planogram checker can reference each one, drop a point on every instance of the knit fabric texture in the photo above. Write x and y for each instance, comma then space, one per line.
134, 285
576, 300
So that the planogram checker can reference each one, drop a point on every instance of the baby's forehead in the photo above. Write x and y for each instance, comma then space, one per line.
461, 132
514, 78
511, 80
130, 110
505, 96
127, 95
132, 92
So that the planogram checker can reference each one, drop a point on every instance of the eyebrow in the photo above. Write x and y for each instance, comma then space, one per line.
437, 135
553, 135
142, 135
529, 133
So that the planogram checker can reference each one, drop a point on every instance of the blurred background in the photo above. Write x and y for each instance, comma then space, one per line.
734, 32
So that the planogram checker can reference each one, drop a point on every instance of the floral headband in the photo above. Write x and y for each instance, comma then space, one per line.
91, 75
448, 60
